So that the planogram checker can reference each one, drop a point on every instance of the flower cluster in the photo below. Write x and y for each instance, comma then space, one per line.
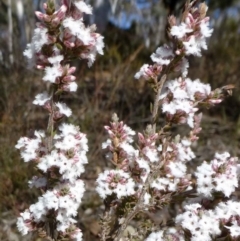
180, 98
59, 153
202, 224
59, 37
188, 38
168, 234
205, 224
61, 169
122, 155
115, 181
220, 175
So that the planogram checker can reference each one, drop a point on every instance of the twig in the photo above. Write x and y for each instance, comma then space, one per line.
156, 101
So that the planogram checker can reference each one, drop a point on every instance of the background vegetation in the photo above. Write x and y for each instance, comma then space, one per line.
108, 87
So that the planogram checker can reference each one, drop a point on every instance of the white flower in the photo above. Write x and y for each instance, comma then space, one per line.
52, 73
201, 223
196, 86
37, 182
155, 236
223, 156
48, 161
234, 229
226, 185
143, 164
29, 147
38, 210
183, 67
130, 151
106, 144
115, 181
163, 55
151, 154
161, 183
143, 72
41, 99
205, 30
40, 38
23, 226
29, 53
78, 29
72, 87
129, 133
180, 31
83, 7
99, 44
67, 129
55, 60
64, 109
177, 169
185, 152
147, 198
50, 200
192, 47
77, 235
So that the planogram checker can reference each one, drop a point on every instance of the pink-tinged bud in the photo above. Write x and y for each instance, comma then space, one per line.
113, 185
177, 52
197, 130
120, 125
52, 39
69, 44
45, 6
215, 167
125, 162
141, 137
39, 15
71, 70
47, 18
58, 80
189, 19
47, 106
68, 78
125, 168
107, 128
193, 138
77, 15
66, 3
55, 21
206, 19
154, 137
40, 67
61, 12
182, 120
215, 101
67, 34
123, 181
78, 137
110, 132
200, 96
57, 116
76, 159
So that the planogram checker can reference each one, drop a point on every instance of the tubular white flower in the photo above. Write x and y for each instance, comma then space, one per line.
115, 182
64, 109
41, 99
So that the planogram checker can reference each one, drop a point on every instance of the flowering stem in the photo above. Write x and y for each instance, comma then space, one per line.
156, 102
140, 204
50, 126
